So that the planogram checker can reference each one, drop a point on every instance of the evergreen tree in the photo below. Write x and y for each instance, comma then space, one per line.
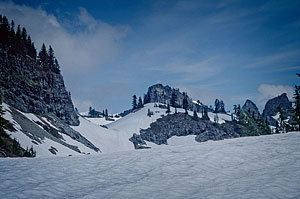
195, 116
16, 148
168, 109
140, 103
251, 126
173, 99
235, 109
134, 104
216, 118
217, 106
12, 33
296, 110
90, 111
146, 98
32, 51
3, 122
149, 113
24, 34
281, 120
12, 26
185, 104
222, 107
50, 57
5, 24
43, 56
32, 152
205, 114
277, 131
106, 113
18, 33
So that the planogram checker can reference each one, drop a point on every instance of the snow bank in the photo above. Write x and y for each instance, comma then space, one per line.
249, 167
42, 149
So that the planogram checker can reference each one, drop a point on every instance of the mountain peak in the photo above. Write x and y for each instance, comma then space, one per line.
271, 107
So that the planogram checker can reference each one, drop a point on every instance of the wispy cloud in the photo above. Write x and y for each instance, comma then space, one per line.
83, 49
77, 51
187, 73
274, 59
222, 49
268, 91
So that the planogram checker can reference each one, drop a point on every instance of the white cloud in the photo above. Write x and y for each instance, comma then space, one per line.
87, 48
267, 91
83, 45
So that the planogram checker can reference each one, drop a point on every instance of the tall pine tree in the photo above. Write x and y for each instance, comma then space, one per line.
296, 110
173, 99
43, 56
140, 103
134, 103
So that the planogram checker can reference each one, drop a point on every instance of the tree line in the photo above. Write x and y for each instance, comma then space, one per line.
18, 42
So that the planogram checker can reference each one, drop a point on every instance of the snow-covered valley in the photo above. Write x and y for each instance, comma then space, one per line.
249, 167
114, 138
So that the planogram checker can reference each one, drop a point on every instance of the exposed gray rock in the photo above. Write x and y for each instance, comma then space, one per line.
53, 150
181, 124
138, 142
163, 94
271, 108
66, 129
33, 131
32, 89
251, 108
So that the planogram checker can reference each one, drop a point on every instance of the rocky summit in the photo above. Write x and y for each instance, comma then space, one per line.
251, 108
167, 95
271, 108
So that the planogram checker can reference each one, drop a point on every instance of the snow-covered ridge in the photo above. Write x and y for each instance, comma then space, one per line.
114, 138
134, 122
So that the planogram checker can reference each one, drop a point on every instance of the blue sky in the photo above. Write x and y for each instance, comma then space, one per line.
110, 50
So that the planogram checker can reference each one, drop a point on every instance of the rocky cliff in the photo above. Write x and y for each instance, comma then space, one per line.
251, 108
271, 108
167, 95
29, 87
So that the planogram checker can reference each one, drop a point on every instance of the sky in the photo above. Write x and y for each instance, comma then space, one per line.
109, 50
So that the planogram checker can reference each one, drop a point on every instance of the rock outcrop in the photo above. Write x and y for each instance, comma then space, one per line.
251, 108
42, 129
29, 87
271, 108
181, 124
165, 94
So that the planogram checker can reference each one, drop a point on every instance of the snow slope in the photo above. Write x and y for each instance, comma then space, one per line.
249, 167
105, 139
42, 150
113, 139
101, 120
134, 122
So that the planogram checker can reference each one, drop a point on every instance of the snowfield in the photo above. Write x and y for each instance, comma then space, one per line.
249, 167
134, 122
114, 138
